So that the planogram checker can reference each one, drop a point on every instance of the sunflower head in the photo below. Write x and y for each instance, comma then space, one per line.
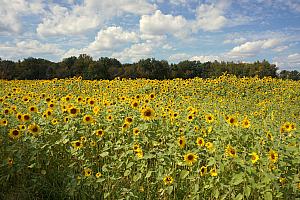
34, 129
181, 142
87, 172
214, 172
77, 144
209, 118
87, 119
147, 114
203, 170
190, 158
254, 157
230, 151
200, 142
168, 180
273, 156
99, 132
14, 134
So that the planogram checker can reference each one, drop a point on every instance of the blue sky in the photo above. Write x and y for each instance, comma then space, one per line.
173, 30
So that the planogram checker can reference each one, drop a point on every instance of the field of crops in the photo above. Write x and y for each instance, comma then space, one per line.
224, 138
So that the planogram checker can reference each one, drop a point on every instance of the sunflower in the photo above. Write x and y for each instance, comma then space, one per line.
200, 142
254, 157
98, 175
246, 123
26, 117
10, 161
91, 102
96, 110
139, 153
14, 134
273, 156
190, 117
34, 129
99, 133
136, 147
93, 143
136, 131
87, 119
54, 121
181, 142
209, 146
33, 109
230, 151
168, 180
73, 111
209, 118
190, 158
147, 114
87, 172
203, 170
232, 121
22, 127
3, 122
213, 171
269, 136
129, 120
19, 116
134, 104
109, 118
82, 138
77, 144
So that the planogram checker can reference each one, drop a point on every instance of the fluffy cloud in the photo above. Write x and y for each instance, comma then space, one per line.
249, 49
209, 18
135, 52
12, 10
88, 15
179, 57
159, 24
28, 48
107, 39
288, 62
207, 58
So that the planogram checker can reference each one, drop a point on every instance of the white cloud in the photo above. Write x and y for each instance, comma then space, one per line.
135, 52
108, 39
159, 24
289, 62
178, 57
210, 17
12, 10
111, 38
235, 40
88, 15
281, 48
249, 49
294, 58
207, 58
28, 48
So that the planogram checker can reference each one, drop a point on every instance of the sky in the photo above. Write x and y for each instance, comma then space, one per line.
172, 30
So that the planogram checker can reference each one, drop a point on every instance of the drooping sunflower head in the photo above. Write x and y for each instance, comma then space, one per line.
230, 151
203, 170
190, 158
181, 142
213, 171
129, 120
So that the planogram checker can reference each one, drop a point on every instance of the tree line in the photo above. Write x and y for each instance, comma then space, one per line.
150, 68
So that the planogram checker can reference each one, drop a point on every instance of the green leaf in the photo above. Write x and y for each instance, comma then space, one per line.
237, 179
196, 188
183, 174
129, 165
32, 165
211, 161
239, 197
247, 191
106, 194
216, 193
127, 172
170, 189
104, 154
268, 196
137, 177
148, 174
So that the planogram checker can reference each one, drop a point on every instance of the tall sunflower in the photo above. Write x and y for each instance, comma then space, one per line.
230, 151
190, 158
14, 134
273, 156
254, 157
168, 180
34, 129
147, 114
181, 142
200, 142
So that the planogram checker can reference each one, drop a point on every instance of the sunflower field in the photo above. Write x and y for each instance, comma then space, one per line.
223, 138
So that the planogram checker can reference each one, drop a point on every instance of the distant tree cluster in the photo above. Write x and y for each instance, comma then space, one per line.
110, 68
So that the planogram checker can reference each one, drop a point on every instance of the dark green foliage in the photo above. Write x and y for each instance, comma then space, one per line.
110, 68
